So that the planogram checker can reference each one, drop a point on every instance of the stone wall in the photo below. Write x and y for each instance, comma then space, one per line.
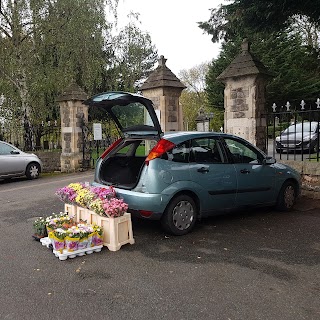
50, 160
310, 176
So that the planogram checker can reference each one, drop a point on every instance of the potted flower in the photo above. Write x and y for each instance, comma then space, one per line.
40, 230
72, 238
114, 207
57, 237
66, 194
97, 239
83, 197
90, 235
97, 206
51, 223
103, 193
83, 236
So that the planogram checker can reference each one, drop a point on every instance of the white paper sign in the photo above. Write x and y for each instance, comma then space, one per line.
97, 131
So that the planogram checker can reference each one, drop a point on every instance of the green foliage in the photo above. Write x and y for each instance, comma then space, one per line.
295, 67
242, 17
135, 56
214, 88
190, 108
284, 36
46, 45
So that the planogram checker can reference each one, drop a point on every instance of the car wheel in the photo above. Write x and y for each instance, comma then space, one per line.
287, 197
180, 216
33, 170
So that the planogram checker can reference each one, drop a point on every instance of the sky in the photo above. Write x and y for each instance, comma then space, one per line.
172, 25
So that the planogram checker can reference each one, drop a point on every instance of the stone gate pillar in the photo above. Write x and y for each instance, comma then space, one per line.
164, 89
72, 113
244, 97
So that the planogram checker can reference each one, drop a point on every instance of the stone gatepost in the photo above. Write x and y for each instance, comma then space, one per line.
72, 113
164, 89
244, 97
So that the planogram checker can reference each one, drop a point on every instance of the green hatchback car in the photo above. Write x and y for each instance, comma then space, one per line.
179, 177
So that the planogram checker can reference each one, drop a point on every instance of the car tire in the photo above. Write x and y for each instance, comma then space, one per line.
287, 196
180, 215
33, 170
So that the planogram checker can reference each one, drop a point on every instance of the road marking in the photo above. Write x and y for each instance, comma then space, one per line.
41, 184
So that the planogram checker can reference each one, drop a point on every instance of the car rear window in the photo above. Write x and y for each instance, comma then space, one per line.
137, 148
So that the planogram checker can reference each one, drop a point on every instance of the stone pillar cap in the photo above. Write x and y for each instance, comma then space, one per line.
73, 92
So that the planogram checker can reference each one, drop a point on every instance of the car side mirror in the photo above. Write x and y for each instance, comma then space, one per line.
269, 160
15, 152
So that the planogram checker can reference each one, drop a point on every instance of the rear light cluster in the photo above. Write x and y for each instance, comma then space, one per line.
159, 149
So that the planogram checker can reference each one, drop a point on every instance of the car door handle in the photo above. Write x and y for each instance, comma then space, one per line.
245, 171
203, 170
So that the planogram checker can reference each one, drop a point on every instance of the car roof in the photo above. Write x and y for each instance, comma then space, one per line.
178, 136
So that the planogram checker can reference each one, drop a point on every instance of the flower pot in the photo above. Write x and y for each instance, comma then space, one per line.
37, 237
83, 243
97, 239
90, 240
71, 243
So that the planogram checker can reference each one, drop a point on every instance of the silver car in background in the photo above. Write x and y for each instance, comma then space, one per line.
16, 163
299, 137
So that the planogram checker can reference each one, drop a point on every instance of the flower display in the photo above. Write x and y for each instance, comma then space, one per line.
101, 200
65, 234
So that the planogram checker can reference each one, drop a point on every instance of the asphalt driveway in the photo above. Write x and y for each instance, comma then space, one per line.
257, 264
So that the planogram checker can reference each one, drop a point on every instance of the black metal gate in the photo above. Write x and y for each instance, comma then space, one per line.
91, 147
283, 117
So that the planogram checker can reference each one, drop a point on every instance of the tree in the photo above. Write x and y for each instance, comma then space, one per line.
295, 67
194, 97
214, 88
135, 56
43, 46
242, 16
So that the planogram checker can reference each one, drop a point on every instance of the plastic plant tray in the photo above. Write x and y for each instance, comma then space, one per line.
65, 254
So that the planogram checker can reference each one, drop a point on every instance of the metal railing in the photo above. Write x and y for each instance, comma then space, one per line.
293, 132
45, 136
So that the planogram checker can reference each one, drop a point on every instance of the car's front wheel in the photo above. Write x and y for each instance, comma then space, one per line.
33, 170
180, 216
287, 196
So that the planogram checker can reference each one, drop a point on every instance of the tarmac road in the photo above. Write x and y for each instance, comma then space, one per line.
258, 264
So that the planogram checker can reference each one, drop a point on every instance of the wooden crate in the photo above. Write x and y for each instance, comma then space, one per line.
116, 231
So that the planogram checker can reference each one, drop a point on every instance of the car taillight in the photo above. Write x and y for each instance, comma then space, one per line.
146, 213
111, 148
159, 149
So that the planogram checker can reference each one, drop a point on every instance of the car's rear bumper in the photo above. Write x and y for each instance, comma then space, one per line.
146, 205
